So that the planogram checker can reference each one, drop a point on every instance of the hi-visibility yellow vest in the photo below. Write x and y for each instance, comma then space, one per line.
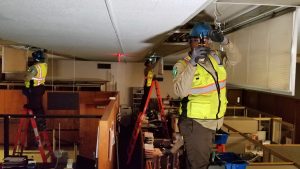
149, 77
40, 77
207, 98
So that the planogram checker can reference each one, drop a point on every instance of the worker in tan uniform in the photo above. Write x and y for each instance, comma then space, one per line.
200, 82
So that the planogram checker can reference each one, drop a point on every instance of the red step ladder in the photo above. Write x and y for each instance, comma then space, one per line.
41, 138
141, 116
220, 148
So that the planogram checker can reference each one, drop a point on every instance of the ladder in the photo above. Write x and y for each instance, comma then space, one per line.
141, 116
41, 138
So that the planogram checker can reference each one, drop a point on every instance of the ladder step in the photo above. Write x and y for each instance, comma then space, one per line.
48, 155
19, 153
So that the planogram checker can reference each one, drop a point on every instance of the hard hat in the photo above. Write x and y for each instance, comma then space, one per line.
200, 30
38, 55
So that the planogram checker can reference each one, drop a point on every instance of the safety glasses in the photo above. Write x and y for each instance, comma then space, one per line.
199, 41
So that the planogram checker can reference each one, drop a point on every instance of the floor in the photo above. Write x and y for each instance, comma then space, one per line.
70, 153
66, 152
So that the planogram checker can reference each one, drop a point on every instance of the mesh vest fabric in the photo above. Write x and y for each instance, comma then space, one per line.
207, 97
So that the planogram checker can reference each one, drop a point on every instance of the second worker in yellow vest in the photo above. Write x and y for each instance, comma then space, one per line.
34, 86
148, 78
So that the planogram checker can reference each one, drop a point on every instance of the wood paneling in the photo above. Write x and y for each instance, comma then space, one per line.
250, 99
233, 95
2, 96
107, 135
12, 101
69, 127
267, 103
88, 130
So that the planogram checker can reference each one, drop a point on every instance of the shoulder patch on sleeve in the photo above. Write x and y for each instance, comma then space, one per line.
174, 71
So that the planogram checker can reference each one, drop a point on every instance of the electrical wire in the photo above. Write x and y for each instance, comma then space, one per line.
27, 52
74, 69
218, 23
59, 151
114, 25
59, 137
56, 164
52, 63
217, 14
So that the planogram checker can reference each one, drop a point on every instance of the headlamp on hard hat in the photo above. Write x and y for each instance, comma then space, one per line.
152, 58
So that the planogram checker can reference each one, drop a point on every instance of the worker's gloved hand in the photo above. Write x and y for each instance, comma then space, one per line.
216, 36
200, 52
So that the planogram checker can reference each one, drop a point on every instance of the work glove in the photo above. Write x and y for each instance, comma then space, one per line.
216, 36
197, 53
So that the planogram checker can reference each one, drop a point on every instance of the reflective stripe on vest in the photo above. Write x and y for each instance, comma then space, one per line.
40, 77
209, 88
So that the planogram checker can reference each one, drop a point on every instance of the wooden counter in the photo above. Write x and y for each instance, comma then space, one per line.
289, 151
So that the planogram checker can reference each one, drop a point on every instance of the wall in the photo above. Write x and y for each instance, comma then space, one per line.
122, 76
12, 101
297, 84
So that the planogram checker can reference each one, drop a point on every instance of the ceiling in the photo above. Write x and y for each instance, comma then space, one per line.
96, 30
103, 29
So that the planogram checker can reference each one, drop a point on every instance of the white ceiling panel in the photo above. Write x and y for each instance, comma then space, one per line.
94, 29
72, 27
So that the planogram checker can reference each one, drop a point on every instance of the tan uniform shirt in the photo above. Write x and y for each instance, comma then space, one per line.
183, 83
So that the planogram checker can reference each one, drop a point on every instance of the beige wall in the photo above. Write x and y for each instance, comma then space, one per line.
122, 76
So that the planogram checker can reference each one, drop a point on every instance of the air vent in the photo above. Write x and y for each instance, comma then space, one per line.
168, 67
104, 66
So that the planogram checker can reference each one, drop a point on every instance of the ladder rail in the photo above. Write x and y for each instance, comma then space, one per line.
17, 140
22, 136
141, 116
137, 127
161, 107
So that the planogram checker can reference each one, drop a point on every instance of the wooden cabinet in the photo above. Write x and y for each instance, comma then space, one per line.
88, 130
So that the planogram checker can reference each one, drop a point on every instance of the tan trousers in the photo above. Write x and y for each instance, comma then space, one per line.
197, 142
